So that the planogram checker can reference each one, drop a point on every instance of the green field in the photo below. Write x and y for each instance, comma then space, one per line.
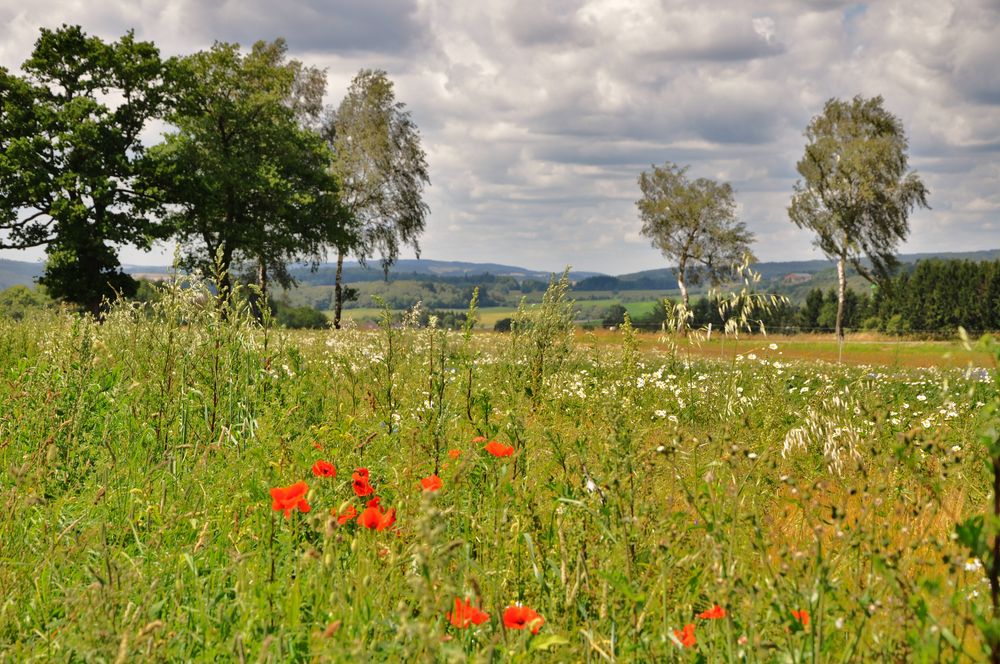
659, 502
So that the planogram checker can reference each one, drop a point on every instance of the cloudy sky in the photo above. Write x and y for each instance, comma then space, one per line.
538, 115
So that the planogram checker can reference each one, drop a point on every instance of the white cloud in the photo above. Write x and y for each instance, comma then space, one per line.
537, 116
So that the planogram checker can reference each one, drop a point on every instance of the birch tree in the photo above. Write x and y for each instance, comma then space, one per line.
694, 223
856, 191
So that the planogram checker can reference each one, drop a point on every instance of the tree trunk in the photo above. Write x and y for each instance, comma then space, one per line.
841, 291
681, 269
338, 290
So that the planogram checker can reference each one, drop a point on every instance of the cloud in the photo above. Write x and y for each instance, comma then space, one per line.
538, 115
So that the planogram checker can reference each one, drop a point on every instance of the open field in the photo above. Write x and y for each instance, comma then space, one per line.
860, 349
638, 504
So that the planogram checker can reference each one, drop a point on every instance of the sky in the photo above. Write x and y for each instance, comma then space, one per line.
537, 116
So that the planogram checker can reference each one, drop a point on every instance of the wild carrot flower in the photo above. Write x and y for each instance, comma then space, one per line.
359, 482
686, 636
346, 515
454, 454
375, 518
465, 614
714, 613
324, 469
499, 449
431, 483
802, 617
519, 617
286, 499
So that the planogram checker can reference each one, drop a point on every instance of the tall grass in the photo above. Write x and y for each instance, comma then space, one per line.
645, 487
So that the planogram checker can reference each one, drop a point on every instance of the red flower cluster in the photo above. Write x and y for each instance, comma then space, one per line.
465, 614
285, 499
520, 617
715, 613
375, 518
802, 617
359, 482
686, 636
431, 483
499, 449
324, 469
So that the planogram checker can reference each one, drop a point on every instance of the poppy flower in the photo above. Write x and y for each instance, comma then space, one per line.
454, 454
499, 449
318, 446
802, 617
347, 515
324, 469
519, 617
714, 613
359, 482
686, 636
479, 439
431, 483
466, 614
375, 518
286, 499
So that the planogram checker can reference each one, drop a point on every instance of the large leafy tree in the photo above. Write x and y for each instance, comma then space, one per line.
246, 177
69, 152
694, 223
856, 191
382, 170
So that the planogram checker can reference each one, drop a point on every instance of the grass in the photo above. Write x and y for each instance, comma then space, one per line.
647, 483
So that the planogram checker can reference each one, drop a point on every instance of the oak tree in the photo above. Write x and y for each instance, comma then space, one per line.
70, 150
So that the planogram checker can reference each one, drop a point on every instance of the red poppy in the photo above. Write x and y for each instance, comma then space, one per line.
324, 469
359, 482
375, 518
431, 483
286, 499
499, 449
802, 617
347, 515
454, 454
466, 614
686, 636
519, 617
479, 439
714, 613
318, 446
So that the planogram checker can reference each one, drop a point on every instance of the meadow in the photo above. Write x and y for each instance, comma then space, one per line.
542, 495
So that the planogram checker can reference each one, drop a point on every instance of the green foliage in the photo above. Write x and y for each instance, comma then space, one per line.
69, 157
694, 223
248, 182
856, 193
136, 458
18, 302
383, 170
297, 318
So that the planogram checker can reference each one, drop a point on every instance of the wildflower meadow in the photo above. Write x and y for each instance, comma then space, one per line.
182, 482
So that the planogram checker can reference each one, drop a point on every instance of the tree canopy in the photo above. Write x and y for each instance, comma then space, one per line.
856, 192
382, 170
694, 223
248, 181
69, 154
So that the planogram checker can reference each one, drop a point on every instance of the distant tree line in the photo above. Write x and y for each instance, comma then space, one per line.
935, 297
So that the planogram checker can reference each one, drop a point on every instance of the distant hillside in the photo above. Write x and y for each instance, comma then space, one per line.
793, 278
13, 273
